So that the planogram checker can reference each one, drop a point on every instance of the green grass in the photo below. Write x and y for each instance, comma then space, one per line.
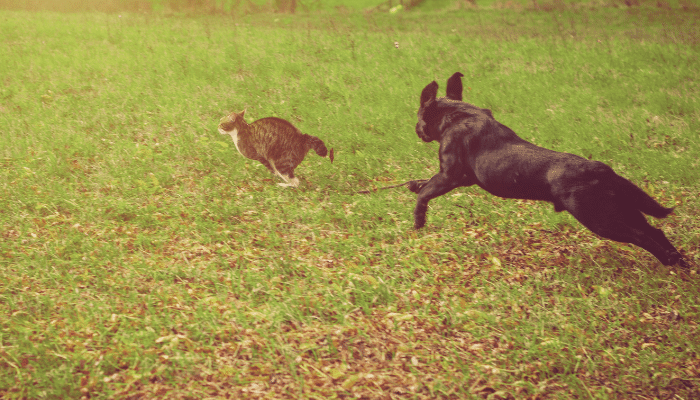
142, 257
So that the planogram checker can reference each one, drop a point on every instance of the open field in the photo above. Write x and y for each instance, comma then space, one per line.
142, 257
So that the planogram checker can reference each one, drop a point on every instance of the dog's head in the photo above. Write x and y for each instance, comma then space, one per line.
428, 113
425, 128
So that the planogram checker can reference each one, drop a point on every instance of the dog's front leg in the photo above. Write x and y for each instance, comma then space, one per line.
438, 185
417, 185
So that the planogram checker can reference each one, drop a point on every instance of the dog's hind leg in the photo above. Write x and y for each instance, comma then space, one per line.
650, 239
655, 242
622, 224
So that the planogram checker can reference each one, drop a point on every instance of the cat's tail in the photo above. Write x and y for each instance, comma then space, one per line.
319, 147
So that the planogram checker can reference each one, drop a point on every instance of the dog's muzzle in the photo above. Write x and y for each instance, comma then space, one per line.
420, 131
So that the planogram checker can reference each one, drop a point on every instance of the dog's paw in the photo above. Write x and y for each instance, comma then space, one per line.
682, 263
419, 223
416, 186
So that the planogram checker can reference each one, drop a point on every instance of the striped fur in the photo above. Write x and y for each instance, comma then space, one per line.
275, 142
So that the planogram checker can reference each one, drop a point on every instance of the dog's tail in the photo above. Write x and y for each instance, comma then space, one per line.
319, 147
641, 199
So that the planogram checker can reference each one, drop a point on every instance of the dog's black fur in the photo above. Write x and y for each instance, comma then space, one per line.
477, 149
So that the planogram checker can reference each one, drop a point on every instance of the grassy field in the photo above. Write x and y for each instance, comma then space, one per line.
142, 257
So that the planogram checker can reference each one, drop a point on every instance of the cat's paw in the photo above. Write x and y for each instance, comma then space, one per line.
292, 183
289, 182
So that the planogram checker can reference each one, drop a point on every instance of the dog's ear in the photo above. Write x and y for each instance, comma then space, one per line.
429, 93
454, 87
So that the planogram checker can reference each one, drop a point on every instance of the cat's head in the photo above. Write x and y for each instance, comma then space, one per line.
230, 122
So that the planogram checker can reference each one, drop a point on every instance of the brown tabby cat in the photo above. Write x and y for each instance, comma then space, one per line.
276, 143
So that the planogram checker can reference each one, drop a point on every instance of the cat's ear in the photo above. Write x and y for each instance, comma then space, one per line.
454, 87
242, 114
429, 93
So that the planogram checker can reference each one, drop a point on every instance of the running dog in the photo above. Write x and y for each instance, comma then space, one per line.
475, 149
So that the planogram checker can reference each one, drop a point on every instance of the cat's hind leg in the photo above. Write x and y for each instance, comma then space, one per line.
287, 174
268, 165
289, 180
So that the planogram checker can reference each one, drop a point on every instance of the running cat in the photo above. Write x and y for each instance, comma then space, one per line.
275, 142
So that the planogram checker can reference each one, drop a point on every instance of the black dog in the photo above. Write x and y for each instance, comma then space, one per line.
477, 149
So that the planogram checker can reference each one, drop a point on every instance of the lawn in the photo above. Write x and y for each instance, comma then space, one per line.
142, 257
